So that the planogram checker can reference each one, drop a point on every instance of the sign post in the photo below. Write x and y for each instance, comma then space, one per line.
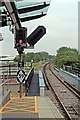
20, 90
21, 74
20, 78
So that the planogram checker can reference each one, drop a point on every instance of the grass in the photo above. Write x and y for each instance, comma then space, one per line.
26, 68
36, 66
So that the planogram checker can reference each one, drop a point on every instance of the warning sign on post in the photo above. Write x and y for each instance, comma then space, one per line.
21, 76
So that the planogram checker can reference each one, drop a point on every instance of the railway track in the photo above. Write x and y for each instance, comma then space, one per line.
66, 97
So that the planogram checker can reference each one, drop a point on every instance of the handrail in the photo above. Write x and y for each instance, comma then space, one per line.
3, 83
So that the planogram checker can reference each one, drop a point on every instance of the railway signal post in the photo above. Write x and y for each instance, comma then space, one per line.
21, 42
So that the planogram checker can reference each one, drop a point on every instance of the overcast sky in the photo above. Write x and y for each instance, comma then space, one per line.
61, 23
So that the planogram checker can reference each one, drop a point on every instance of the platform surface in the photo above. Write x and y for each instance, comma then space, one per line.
46, 108
30, 107
20, 108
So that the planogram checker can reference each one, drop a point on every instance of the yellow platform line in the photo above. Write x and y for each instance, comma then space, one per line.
10, 112
5, 106
36, 105
14, 111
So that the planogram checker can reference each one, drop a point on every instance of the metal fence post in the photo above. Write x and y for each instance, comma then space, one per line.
7, 80
3, 85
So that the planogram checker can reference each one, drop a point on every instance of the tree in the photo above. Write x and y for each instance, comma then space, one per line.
36, 57
28, 57
16, 59
66, 56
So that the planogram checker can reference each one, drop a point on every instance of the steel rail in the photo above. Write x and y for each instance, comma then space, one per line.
56, 95
74, 88
69, 87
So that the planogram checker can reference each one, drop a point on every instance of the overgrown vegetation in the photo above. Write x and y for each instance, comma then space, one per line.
35, 65
34, 60
36, 57
67, 56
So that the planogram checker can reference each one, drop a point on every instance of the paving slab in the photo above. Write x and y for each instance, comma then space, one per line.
46, 109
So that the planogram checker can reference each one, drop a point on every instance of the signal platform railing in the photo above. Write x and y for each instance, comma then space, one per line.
4, 92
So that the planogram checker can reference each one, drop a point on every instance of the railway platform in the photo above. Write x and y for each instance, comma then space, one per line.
29, 107
35, 105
